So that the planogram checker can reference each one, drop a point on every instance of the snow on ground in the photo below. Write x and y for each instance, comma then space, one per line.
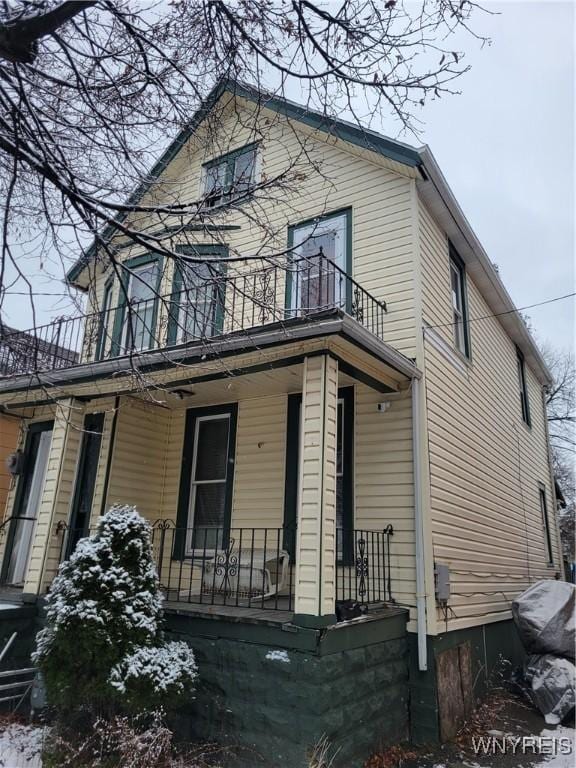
20, 746
563, 736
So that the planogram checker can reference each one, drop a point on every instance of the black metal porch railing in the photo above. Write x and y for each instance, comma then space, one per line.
252, 567
205, 308
364, 572
242, 567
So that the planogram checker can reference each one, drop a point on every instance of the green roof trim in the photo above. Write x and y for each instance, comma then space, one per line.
341, 129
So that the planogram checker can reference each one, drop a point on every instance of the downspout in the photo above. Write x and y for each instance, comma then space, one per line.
419, 528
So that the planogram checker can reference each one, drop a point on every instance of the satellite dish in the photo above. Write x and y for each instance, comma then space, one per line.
15, 463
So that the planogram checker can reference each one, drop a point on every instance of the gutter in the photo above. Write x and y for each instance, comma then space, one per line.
334, 323
419, 529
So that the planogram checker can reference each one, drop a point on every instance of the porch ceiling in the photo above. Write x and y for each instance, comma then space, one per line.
285, 380
228, 368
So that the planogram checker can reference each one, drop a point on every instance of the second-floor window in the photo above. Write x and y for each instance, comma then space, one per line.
321, 259
139, 323
198, 294
522, 387
459, 308
229, 176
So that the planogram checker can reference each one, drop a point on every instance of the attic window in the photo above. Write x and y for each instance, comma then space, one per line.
230, 176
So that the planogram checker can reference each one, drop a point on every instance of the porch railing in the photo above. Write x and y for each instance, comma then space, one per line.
242, 567
253, 567
209, 305
363, 572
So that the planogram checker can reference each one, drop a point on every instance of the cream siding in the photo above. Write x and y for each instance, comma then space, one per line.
138, 464
9, 437
485, 463
56, 495
260, 463
316, 533
322, 179
383, 481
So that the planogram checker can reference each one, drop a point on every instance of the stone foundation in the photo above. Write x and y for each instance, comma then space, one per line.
276, 693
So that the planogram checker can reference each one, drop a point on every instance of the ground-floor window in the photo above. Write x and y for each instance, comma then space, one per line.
205, 503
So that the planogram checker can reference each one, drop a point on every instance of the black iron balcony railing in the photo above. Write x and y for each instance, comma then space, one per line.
205, 308
254, 567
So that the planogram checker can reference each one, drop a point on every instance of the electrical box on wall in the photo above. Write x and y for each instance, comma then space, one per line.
442, 582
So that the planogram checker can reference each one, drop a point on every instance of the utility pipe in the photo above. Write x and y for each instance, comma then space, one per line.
419, 528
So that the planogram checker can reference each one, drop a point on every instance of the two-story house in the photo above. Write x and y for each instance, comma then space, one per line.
328, 398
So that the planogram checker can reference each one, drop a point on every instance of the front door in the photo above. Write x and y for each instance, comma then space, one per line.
85, 480
28, 500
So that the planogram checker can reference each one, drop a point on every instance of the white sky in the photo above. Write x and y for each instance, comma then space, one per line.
506, 147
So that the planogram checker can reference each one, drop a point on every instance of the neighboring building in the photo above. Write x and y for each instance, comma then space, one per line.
362, 419
39, 349
9, 429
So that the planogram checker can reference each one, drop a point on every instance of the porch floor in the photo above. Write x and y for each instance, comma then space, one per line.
272, 617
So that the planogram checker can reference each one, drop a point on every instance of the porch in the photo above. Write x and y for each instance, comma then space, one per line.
285, 489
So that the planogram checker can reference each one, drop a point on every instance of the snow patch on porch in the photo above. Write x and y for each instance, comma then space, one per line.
278, 655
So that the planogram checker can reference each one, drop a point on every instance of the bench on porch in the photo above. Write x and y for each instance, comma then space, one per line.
247, 574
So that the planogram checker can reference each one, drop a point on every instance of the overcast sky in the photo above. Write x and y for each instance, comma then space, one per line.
506, 147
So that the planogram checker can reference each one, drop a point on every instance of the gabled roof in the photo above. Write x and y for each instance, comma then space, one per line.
341, 129
432, 186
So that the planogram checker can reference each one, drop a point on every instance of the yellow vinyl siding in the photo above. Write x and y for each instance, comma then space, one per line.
315, 536
383, 481
138, 465
56, 494
9, 434
330, 179
260, 463
485, 463
147, 460
258, 497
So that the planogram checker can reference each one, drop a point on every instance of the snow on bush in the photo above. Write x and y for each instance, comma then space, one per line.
103, 609
153, 675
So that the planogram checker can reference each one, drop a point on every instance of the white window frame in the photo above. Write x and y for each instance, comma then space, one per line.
190, 526
126, 324
338, 224
459, 314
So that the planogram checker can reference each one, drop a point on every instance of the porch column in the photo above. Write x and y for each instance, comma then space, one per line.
56, 495
315, 569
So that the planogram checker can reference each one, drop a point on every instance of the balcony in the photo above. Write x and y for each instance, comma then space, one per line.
206, 309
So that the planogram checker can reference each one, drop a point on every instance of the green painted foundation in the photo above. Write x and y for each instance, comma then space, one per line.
496, 650
275, 691
272, 691
22, 620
